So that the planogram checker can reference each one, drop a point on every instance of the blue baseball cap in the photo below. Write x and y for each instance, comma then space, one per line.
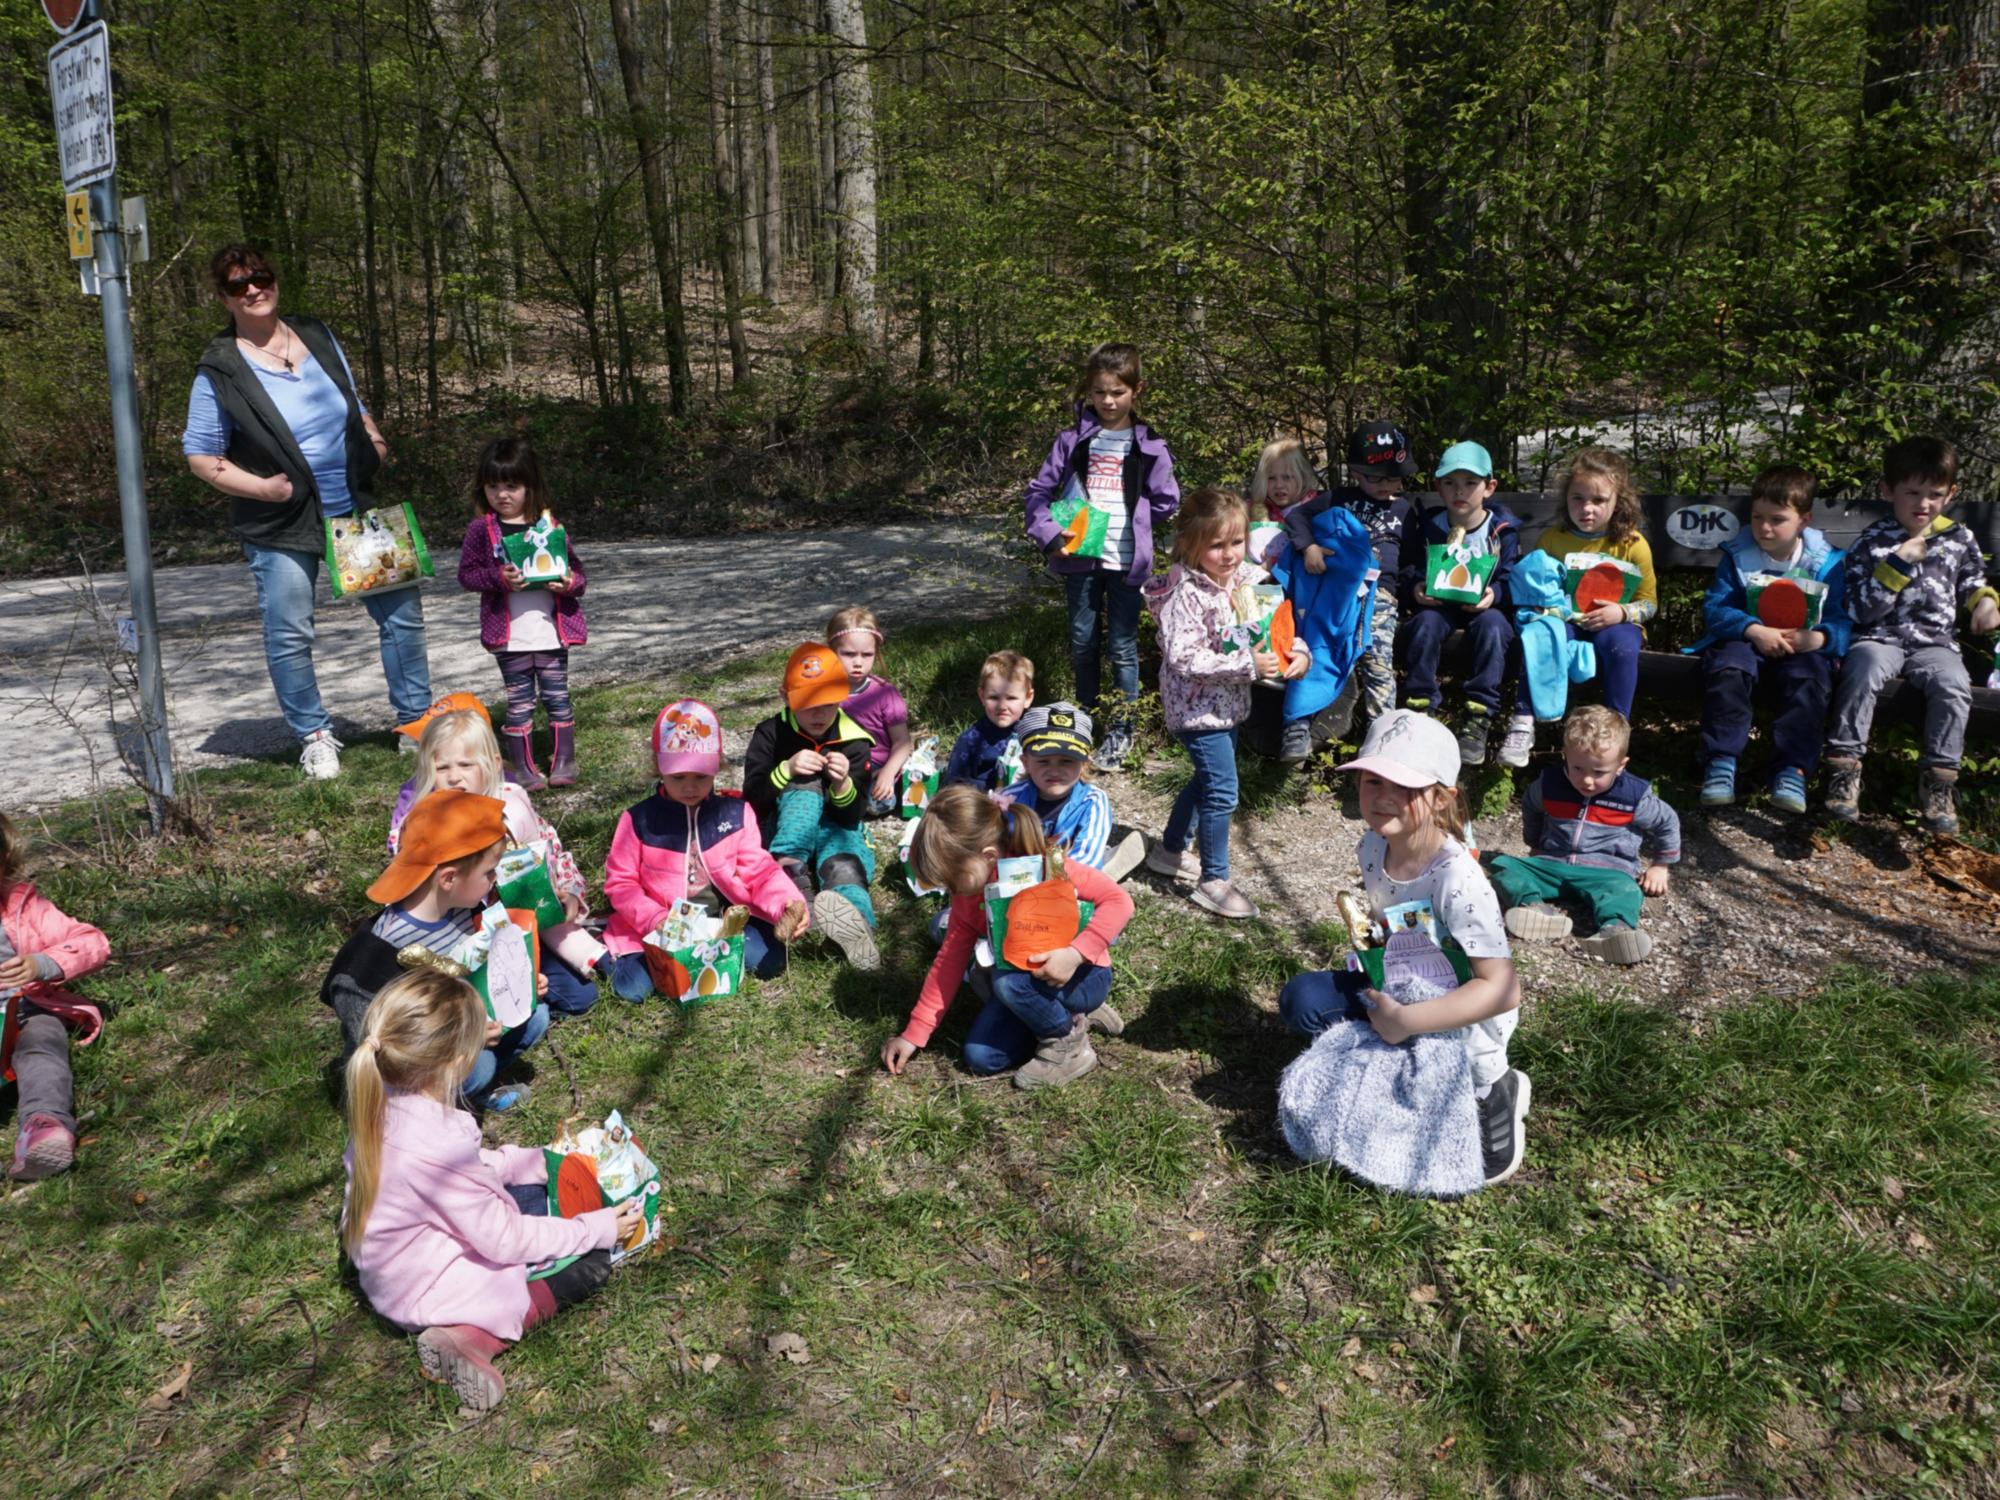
1468, 458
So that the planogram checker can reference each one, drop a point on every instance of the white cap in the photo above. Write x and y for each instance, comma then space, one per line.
1410, 749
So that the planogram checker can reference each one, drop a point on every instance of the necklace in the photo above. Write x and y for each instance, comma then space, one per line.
284, 359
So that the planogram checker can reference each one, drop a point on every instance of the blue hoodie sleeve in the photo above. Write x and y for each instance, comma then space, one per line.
1833, 617
964, 763
1506, 547
1726, 607
1533, 823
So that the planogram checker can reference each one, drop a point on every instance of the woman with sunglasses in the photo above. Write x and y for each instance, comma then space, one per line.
274, 422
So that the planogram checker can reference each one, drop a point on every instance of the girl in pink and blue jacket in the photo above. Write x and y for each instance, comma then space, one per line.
690, 842
443, 1235
40, 948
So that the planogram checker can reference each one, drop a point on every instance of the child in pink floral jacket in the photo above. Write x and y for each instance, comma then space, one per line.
1205, 685
39, 949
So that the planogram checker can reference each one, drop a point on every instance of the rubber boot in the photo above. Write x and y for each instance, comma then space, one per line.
461, 1357
518, 747
562, 753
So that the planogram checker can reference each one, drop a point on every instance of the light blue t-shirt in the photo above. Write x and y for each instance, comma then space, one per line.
312, 407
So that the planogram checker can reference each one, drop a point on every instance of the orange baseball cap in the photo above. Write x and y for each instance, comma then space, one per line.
446, 825
450, 703
815, 678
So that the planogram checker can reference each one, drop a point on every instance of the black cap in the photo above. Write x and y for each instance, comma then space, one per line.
1380, 449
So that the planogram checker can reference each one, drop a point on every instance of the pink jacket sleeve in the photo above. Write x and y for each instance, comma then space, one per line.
516, 1164
40, 926
478, 570
767, 889
1113, 910
1187, 642
966, 927
489, 1223
624, 882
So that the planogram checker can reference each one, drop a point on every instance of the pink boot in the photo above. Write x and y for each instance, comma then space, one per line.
461, 1357
562, 754
518, 747
44, 1147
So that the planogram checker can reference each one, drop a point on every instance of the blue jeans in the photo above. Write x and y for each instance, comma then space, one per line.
1024, 1010
1211, 795
285, 583
570, 993
1618, 648
1422, 637
1107, 595
1312, 1001
763, 956
499, 1057
1801, 685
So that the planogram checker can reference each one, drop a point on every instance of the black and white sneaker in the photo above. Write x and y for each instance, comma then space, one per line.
1502, 1137
1112, 749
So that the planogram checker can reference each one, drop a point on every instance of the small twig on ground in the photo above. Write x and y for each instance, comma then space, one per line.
1102, 1433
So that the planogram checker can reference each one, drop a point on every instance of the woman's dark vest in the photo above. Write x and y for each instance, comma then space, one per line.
261, 442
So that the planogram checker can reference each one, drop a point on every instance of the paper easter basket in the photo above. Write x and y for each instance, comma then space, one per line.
1263, 620
510, 957
1786, 603
1455, 578
374, 551
1031, 908
1594, 578
523, 883
1083, 525
694, 957
1410, 948
919, 780
600, 1166
541, 552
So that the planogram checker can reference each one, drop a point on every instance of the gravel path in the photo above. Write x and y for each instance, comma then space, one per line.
654, 607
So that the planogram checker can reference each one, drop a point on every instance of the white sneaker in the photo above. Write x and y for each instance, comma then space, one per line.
320, 759
1185, 865
1520, 742
1125, 856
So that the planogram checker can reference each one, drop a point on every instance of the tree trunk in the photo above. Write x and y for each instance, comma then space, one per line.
826, 239
659, 206
725, 199
774, 203
749, 214
854, 155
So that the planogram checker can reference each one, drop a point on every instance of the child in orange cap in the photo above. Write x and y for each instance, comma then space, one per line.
432, 894
799, 777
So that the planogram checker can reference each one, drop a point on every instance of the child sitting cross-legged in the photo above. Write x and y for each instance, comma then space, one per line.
800, 775
690, 842
432, 894
1586, 823
1006, 689
442, 1234
1038, 1019
1055, 785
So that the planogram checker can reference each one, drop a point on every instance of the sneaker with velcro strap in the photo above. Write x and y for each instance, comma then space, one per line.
1503, 1136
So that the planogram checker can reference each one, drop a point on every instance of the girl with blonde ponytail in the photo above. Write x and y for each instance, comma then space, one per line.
442, 1233
1038, 1019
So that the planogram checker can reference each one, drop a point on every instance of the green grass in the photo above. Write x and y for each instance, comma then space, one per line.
1752, 1255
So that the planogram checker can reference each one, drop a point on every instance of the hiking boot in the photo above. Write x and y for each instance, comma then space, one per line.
1843, 788
1502, 1138
1295, 743
43, 1148
1618, 944
462, 1358
1111, 752
1935, 804
517, 747
1520, 741
1173, 864
1540, 923
1125, 856
1106, 1019
1473, 732
1718, 782
1788, 790
562, 754
1058, 1059
1222, 898
841, 924
319, 755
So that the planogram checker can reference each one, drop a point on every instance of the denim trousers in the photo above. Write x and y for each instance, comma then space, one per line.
1024, 1010
1103, 625
1938, 672
499, 1057
1207, 801
285, 582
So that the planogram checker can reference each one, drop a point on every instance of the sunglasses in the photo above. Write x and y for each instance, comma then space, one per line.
238, 286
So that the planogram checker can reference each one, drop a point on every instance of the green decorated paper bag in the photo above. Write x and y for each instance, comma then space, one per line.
919, 781
694, 956
1786, 603
1031, 908
523, 883
1455, 573
541, 552
1403, 955
500, 960
917, 887
601, 1166
1594, 578
374, 551
1083, 525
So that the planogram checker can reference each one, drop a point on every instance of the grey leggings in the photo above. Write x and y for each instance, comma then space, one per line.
41, 1067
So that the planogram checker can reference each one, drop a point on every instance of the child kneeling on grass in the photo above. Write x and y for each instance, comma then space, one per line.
1586, 823
443, 1234
41, 949
1437, 1111
432, 893
690, 842
1036, 1020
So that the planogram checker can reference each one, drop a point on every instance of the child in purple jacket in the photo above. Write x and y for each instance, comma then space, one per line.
529, 629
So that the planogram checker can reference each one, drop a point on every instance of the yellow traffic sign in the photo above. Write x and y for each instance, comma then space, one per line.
76, 218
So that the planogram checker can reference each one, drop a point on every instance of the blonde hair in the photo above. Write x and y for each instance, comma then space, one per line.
10, 853
961, 824
424, 1028
1607, 463
1204, 516
459, 727
1285, 453
1597, 728
855, 617
1007, 666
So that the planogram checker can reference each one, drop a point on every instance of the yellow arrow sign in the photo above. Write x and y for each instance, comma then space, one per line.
76, 218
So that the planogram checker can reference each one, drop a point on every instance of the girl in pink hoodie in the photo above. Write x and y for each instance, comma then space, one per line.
39, 949
442, 1233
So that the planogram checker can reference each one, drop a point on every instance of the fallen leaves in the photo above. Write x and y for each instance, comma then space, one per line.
172, 1391
790, 1347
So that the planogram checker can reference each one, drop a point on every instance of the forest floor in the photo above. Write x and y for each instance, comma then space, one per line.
1750, 1252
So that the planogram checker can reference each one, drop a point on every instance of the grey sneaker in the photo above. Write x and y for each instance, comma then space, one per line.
1502, 1139
1295, 745
1935, 798
1843, 788
1222, 898
1106, 1019
319, 757
1112, 749
842, 925
1473, 731
1618, 945
1540, 923
1059, 1059
1125, 856
1182, 865
1520, 742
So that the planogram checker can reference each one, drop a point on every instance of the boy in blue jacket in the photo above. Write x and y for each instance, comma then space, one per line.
989, 753
1771, 641
1474, 530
